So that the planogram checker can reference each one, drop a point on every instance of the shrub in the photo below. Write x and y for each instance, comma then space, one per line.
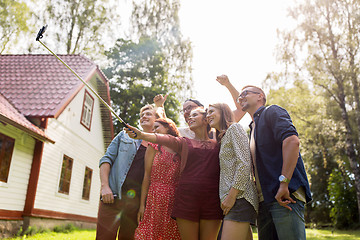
31, 230
64, 228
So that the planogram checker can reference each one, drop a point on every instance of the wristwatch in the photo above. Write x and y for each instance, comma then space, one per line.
282, 178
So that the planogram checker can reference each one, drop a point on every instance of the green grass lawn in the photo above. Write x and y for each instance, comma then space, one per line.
74, 235
315, 234
312, 234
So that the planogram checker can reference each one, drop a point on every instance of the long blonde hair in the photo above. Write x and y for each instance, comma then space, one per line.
226, 119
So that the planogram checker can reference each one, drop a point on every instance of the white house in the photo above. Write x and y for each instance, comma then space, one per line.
53, 131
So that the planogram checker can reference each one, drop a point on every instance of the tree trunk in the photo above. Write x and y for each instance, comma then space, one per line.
340, 80
354, 160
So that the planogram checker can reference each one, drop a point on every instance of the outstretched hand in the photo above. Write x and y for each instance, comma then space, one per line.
133, 132
223, 79
283, 196
159, 100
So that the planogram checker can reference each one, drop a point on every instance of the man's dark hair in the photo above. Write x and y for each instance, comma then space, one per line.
195, 101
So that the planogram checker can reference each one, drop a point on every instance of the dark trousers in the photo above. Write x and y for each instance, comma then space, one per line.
118, 218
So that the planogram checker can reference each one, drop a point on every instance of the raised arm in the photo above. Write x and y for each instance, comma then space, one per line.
149, 158
238, 112
159, 101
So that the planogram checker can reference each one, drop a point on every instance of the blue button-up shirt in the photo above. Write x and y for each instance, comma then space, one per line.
120, 155
272, 125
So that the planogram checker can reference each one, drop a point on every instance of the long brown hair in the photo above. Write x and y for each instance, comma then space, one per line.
226, 119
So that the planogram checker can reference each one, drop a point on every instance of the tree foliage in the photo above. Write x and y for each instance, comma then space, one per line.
79, 26
343, 196
160, 20
323, 51
156, 61
321, 147
14, 15
137, 73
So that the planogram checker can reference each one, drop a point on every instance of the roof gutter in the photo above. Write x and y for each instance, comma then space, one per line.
27, 130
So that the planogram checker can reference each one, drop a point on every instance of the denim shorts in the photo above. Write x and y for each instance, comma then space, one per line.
242, 211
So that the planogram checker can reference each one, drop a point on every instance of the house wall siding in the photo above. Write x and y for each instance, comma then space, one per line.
13, 193
84, 147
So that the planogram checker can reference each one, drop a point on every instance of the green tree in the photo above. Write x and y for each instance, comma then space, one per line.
14, 15
137, 73
79, 26
160, 20
324, 49
343, 197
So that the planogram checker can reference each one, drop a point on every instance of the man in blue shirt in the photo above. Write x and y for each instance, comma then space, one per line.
121, 175
281, 179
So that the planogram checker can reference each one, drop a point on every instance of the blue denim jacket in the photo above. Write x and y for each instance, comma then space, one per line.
119, 155
272, 125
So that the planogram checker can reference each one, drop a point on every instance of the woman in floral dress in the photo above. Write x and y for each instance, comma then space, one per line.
158, 188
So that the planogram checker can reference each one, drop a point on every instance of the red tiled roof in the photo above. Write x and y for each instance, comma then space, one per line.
9, 114
39, 85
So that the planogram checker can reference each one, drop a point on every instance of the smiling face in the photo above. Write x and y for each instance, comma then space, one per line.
147, 119
197, 119
213, 117
159, 128
250, 99
187, 107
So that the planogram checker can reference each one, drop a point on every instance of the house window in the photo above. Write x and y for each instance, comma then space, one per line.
65, 177
87, 110
87, 184
6, 150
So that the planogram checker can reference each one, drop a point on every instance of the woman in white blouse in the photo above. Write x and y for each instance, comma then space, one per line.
238, 194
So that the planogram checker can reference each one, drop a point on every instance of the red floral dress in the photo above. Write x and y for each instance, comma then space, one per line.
157, 223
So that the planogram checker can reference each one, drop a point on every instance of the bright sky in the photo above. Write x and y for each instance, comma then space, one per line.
232, 37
